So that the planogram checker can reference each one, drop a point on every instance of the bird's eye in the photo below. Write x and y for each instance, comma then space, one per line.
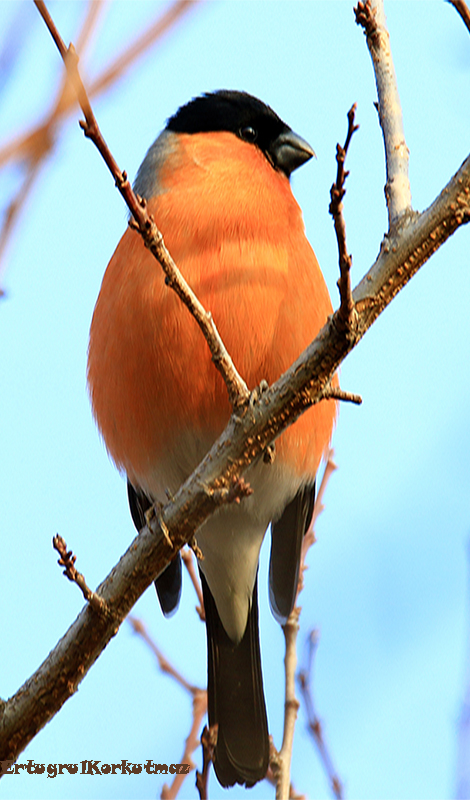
249, 134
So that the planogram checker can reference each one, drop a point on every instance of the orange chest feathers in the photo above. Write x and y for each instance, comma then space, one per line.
235, 231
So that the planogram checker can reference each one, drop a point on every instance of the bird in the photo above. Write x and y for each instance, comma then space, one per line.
217, 183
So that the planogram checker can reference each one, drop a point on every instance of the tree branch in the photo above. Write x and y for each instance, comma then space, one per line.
314, 723
143, 222
464, 11
67, 560
337, 192
281, 762
291, 706
371, 16
402, 253
199, 701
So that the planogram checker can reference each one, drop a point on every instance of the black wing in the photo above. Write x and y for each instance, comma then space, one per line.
286, 544
168, 584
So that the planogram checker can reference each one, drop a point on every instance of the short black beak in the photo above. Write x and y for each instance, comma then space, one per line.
290, 151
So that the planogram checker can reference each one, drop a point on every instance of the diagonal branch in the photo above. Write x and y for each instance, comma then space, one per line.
142, 221
33, 146
314, 724
464, 11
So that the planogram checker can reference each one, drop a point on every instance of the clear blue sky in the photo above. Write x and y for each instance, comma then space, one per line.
387, 584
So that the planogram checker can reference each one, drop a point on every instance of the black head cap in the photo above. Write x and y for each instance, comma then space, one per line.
249, 119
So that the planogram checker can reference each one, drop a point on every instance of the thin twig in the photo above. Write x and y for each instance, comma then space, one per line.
199, 698
140, 45
280, 762
143, 222
371, 16
208, 741
14, 209
345, 316
314, 724
32, 147
304, 676
165, 666
464, 11
273, 767
188, 561
291, 706
330, 467
335, 393
67, 560
191, 744
309, 538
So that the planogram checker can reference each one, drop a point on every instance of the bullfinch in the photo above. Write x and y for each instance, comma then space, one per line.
217, 182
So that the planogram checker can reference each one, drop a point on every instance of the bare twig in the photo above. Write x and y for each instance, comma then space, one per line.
153, 32
463, 10
191, 744
335, 393
309, 538
330, 467
371, 16
346, 315
199, 698
188, 561
314, 724
142, 221
291, 707
280, 762
67, 560
208, 741
32, 147
270, 777
165, 666
14, 209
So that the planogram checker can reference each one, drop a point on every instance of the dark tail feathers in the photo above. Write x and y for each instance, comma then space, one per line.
236, 698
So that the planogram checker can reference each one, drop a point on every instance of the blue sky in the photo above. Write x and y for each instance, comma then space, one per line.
387, 584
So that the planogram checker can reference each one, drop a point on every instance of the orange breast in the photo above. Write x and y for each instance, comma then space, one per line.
235, 231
